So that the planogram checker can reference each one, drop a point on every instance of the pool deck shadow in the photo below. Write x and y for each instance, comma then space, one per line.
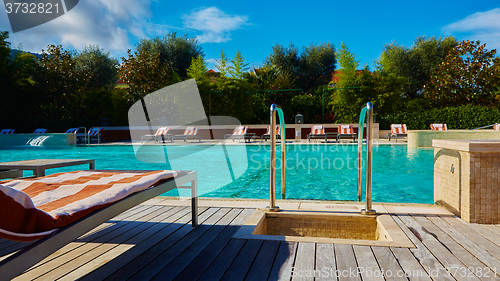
155, 241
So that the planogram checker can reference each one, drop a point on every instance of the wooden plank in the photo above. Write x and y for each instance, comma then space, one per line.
462, 226
261, 267
220, 265
241, 264
469, 260
325, 262
484, 256
199, 264
83, 247
172, 269
107, 263
430, 263
346, 263
388, 263
304, 262
367, 263
176, 232
412, 268
490, 232
283, 263
169, 254
89, 251
443, 254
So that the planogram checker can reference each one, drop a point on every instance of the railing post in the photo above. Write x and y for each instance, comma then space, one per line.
369, 134
272, 205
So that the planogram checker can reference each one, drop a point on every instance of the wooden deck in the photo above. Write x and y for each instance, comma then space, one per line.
156, 242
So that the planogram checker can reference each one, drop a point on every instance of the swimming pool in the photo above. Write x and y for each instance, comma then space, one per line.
320, 172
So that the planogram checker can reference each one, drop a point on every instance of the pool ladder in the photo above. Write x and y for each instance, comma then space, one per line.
368, 111
272, 204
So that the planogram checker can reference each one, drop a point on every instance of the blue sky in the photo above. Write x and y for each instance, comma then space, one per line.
253, 27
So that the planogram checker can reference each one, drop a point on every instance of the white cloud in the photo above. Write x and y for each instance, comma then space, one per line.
483, 26
215, 25
107, 23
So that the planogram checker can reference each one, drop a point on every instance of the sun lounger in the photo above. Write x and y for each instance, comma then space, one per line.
267, 135
496, 127
80, 134
439, 127
162, 133
38, 205
398, 130
240, 132
6, 131
346, 131
189, 132
94, 133
40, 131
318, 131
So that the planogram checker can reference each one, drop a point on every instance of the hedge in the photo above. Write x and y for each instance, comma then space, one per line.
461, 117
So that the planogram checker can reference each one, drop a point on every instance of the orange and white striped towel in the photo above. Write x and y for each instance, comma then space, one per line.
6, 131
240, 130
162, 131
496, 127
40, 131
94, 132
268, 132
317, 130
191, 131
439, 127
398, 129
33, 208
346, 130
72, 131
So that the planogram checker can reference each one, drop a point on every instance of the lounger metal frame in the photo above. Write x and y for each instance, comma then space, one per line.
34, 253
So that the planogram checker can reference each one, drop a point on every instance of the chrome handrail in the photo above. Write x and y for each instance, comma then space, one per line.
369, 145
272, 204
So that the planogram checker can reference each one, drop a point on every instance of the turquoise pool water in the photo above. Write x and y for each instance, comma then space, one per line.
321, 172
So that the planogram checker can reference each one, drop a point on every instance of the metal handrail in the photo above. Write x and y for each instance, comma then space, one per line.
272, 204
369, 145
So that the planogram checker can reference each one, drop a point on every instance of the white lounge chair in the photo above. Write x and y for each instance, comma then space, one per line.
346, 131
439, 127
6, 131
267, 135
240, 132
40, 131
189, 132
398, 130
162, 133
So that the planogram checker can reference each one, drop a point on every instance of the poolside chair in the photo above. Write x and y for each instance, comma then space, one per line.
94, 133
267, 135
189, 132
6, 131
496, 127
439, 127
40, 131
162, 133
317, 131
398, 130
240, 132
109, 193
346, 131
80, 134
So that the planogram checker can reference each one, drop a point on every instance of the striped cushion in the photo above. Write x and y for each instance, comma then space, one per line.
398, 129
40, 131
268, 132
317, 130
439, 127
6, 131
191, 131
162, 131
33, 208
241, 130
346, 130
94, 132
496, 127
72, 131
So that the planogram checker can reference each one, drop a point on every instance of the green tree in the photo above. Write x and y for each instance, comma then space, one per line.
416, 63
98, 61
144, 73
470, 74
198, 71
238, 67
311, 68
174, 51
